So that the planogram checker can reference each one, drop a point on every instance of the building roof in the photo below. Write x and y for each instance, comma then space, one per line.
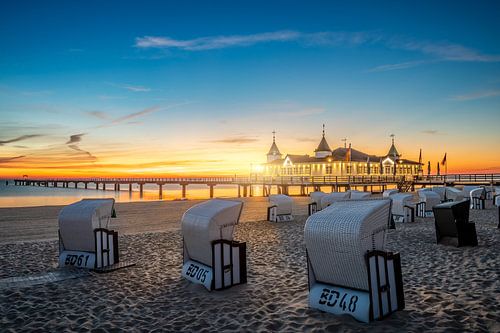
339, 154
393, 151
323, 145
274, 150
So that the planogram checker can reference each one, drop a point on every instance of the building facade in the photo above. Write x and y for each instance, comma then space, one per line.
344, 161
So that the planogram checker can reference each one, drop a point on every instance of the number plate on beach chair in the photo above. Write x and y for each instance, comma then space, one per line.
197, 273
77, 259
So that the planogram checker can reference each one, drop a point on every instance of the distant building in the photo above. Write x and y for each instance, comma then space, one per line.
344, 161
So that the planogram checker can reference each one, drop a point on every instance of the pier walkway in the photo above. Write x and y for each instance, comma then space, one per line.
247, 184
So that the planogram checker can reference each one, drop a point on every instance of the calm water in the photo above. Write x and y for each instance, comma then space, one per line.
25, 196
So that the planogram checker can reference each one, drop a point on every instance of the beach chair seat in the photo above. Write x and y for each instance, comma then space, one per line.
477, 198
330, 198
427, 200
452, 223
348, 268
356, 195
403, 209
280, 208
211, 257
315, 202
454, 194
84, 238
441, 190
388, 193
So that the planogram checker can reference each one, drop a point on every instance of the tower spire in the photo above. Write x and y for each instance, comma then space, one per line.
392, 136
274, 136
323, 130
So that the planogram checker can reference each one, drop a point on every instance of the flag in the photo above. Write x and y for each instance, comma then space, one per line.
443, 162
438, 171
428, 167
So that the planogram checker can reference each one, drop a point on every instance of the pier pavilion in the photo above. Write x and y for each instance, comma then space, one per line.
342, 161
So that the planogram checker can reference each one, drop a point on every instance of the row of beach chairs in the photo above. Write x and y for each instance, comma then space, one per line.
349, 269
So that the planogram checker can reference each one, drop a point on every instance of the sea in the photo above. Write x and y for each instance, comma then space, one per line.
29, 196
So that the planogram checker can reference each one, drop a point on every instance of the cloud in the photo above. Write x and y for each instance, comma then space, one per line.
402, 65
85, 164
75, 138
129, 87
19, 138
9, 159
235, 139
221, 42
476, 95
73, 144
430, 131
98, 114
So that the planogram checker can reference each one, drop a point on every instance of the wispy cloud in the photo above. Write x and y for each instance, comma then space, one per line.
10, 159
476, 95
19, 138
98, 114
75, 138
220, 42
73, 142
129, 87
430, 131
402, 65
235, 140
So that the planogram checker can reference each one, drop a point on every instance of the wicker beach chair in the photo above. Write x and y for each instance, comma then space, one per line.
280, 208
356, 195
84, 238
452, 223
330, 198
497, 203
349, 270
403, 208
441, 190
388, 193
454, 194
315, 202
427, 200
477, 198
467, 189
211, 257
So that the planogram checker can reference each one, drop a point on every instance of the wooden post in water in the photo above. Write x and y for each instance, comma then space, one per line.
140, 189
130, 187
211, 186
160, 190
239, 191
183, 190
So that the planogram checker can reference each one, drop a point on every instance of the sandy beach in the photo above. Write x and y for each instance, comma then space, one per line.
447, 289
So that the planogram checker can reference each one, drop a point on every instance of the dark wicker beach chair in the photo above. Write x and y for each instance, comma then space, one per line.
452, 222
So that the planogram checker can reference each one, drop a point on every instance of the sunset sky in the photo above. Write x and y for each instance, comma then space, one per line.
116, 88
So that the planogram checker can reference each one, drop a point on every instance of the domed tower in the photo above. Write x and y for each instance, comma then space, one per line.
323, 149
274, 153
393, 152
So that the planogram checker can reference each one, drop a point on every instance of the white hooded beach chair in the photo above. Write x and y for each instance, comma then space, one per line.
330, 198
211, 257
454, 194
315, 202
356, 195
477, 198
403, 209
280, 208
349, 270
428, 199
388, 193
441, 190
84, 238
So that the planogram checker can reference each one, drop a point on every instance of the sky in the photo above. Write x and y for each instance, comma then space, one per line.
132, 88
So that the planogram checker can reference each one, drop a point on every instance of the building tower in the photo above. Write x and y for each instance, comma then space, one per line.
323, 149
393, 152
274, 153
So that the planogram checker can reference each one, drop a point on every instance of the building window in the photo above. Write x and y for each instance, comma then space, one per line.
348, 169
328, 170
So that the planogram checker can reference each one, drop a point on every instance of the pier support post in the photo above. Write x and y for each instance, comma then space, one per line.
141, 185
239, 191
55, 184
211, 186
118, 187
130, 187
86, 185
160, 190
104, 186
244, 191
76, 184
96, 185
183, 190
251, 190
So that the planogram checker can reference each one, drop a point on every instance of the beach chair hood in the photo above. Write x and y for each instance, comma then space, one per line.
208, 221
78, 221
316, 197
399, 201
283, 203
338, 237
330, 198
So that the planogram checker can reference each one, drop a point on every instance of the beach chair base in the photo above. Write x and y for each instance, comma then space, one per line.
106, 252
385, 294
273, 216
228, 268
408, 217
477, 203
422, 210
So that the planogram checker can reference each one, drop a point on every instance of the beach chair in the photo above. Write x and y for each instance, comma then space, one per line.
315, 202
467, 189
349, 271
388, 193
330, 198
211, 257
84, 238
280, 208
441, 190
496, 194
427, 200
452, 223
356, 195
403, 209
477, 198
497, 203
454, 194
489, 192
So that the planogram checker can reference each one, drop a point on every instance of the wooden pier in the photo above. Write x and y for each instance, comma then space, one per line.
246, 185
